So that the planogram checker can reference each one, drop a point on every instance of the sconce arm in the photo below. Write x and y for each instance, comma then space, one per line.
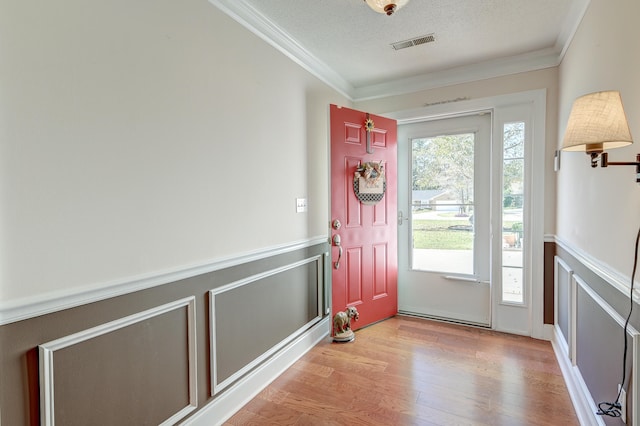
604, 162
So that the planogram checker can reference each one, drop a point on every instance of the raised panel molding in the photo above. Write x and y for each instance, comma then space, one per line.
226, 404
563, 280
565, 348
379, 138
353, 205
132, 359
380, 273
631, 332
352, 133
354, 276
381, 209
48, 352
218, 384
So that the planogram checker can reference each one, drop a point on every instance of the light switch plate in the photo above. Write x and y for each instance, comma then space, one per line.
301, 205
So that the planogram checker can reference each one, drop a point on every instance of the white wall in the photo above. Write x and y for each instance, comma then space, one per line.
599, 210
145, 136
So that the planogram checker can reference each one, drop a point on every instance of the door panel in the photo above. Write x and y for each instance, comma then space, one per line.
353, 206
354, 276
367, 274
380, 260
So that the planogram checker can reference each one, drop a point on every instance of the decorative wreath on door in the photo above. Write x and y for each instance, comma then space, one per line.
370, 183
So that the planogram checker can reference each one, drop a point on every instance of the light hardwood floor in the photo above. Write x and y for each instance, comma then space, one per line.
409, 371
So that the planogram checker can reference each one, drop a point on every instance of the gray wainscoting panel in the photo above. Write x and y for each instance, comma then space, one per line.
596, 313
144, 357
563, 284
600, 347
253, 317
105, 375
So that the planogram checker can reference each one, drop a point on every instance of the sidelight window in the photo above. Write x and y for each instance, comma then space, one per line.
513, 199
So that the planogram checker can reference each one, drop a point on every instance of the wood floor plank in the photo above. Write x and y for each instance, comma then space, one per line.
409, 371
276, 413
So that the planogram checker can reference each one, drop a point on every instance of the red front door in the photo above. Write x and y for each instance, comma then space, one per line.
366, 276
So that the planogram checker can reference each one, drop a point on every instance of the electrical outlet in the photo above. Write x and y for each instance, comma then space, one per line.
623, 404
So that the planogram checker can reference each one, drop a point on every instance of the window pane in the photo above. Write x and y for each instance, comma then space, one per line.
442, 203
512, 218
512, 285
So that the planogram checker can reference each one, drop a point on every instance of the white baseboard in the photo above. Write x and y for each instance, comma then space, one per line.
578, 391
547, 332
222, 408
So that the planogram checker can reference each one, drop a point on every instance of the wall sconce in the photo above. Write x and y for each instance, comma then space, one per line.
597, 122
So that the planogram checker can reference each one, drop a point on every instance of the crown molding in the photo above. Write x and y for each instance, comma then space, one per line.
267, 30
571, 24
532, 61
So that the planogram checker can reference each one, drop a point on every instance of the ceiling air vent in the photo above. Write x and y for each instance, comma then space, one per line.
414, 41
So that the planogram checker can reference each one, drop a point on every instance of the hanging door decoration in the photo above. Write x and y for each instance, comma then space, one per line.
369, 182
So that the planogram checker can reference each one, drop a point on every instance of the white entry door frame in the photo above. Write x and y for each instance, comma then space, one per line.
525, 318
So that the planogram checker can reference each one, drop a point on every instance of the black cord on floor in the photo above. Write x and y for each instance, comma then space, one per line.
612, 409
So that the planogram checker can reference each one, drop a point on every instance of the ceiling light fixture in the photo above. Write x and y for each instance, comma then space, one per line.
386, 6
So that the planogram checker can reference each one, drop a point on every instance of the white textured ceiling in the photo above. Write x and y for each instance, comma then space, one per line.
348, 45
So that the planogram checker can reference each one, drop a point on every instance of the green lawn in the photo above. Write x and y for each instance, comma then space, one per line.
437, 234
444, 234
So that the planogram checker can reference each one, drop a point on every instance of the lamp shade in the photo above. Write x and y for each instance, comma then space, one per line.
386, 6
597, 122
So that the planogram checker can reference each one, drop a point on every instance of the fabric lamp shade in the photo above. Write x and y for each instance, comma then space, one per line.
597, 122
